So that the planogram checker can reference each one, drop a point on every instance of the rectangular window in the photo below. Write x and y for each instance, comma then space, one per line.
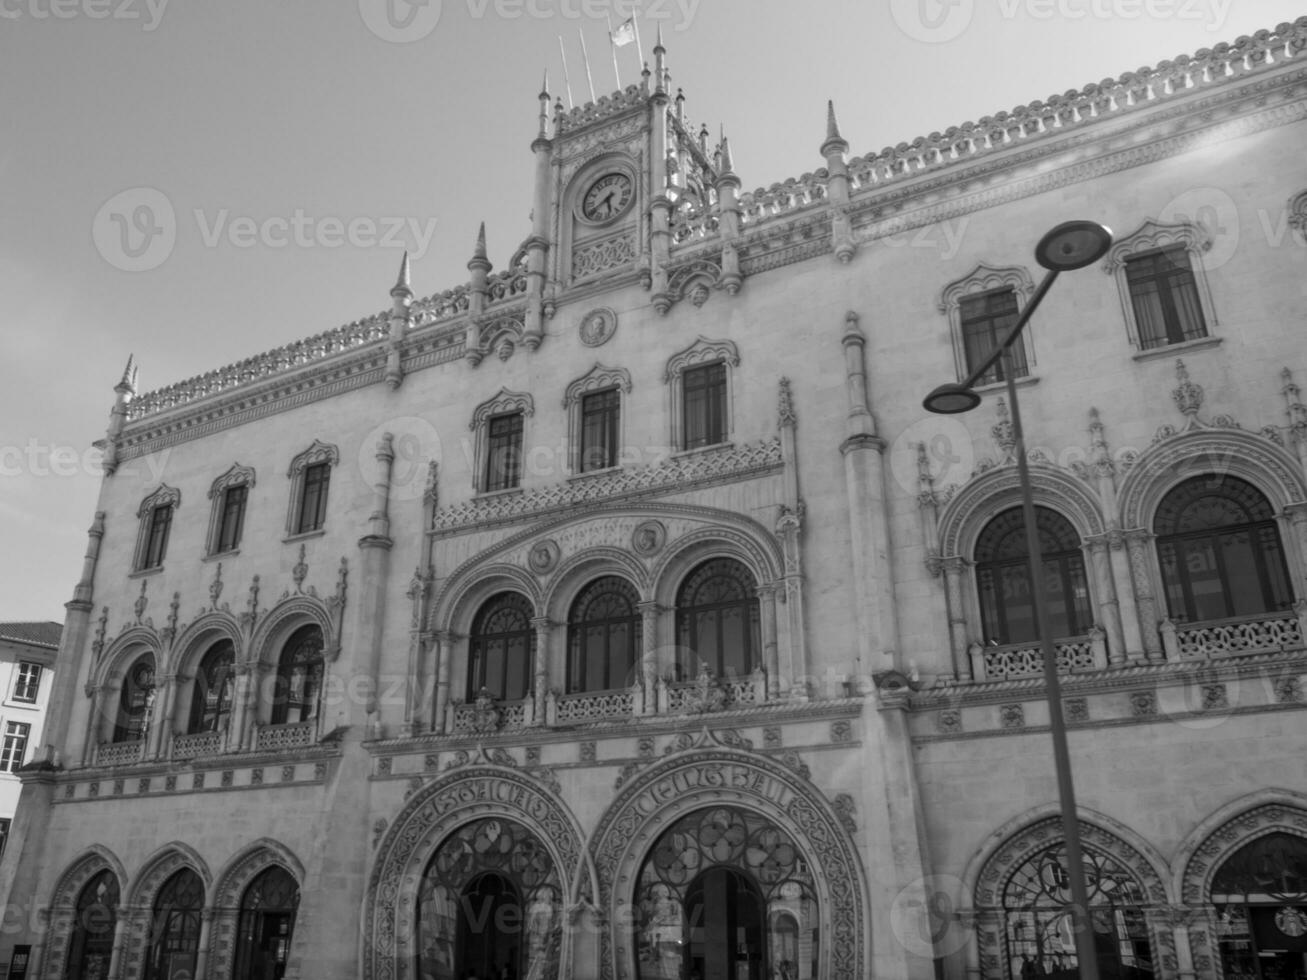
28, 684
599, 423
156, 543
313, 499
15, 746
504, 452
232, 519
986, 319
4, 836
704, 391
1164, 295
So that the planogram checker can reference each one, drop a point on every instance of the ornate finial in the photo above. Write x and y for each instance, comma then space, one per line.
1099, 454
832, 127
403, 285
1188, 396
544, 88
852, 332
479, 261
727, 164
785, 407
101, 626
1293, 406
431, 494
342, 579
1002, 431
658, 44
173, 607
128, 382
252, 605
215, 587
300, 571
141, 601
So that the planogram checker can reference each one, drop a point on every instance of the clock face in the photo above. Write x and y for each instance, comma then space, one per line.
607, 197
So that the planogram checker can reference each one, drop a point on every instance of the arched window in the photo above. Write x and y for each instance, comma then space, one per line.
503, 643
1040, 936
717, 620
91, 945
175, 929
267, 923
1007, 608
135, 701
603, 635
1220, 551
1260, 894
211, 698
299, 677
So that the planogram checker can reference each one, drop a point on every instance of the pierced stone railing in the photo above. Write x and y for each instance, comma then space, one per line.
197, 744
1232, 637
678, 697
571, 709
508, 284
789, 195
492, 717
119, 753
273, 738
1109, 97
360, 333
1074, 654
440, 306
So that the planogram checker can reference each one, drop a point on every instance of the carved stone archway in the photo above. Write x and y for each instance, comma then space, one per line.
715, 777
243, 869
166, 862
431, 815
63, 905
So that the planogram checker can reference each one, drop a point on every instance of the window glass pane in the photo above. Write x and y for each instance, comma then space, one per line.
986, 319
501, 647
619, 663
599, 417
704, 404
596, 658
1241, 572
157, 545
504, 452
233, 512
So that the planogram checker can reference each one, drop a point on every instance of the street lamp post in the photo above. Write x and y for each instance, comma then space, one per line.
1071, 245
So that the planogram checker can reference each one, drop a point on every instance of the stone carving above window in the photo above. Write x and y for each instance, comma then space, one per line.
165, 496
597, 379
502, 404
984, 279
236, 476
319, 452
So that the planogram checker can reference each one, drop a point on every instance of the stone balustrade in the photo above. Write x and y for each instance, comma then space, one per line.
573, 709
197, 744
1237, 636
273, 738
1074, 654
119, 753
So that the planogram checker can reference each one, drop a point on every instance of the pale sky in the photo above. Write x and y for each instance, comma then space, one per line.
411, 124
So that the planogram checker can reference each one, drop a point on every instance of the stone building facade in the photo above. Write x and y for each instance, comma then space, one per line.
27, 652
622, 614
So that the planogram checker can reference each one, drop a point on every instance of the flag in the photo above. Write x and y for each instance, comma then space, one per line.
625, 32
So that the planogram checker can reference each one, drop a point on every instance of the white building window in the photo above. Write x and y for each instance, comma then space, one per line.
28, 683
594, 406
229, 493
310, 477
15, 745
499, 430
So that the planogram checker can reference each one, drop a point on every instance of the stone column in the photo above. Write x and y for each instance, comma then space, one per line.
969, 920
1138, 542
161, 727
540, 668
1297, 520
202, 956
122, 925
240, 715
650, 668
1109, 613
770, 655
1122, 583
441, 653
94, 725
957, 616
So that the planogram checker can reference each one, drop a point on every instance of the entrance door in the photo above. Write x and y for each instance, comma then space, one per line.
724, 913
490, 929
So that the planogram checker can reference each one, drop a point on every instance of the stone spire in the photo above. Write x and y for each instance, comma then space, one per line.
835, 143
403, 285
401, 295
479, 262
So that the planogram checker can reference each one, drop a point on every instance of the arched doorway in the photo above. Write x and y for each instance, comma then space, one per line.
91, 947
726, 895
267, 923
1260, 894
488, 906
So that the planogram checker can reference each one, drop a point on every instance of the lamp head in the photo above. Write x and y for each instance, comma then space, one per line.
951, 399
1073, 245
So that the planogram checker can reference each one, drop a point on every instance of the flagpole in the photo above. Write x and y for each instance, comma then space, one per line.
612, 49
567, 82
639, 48
585, 56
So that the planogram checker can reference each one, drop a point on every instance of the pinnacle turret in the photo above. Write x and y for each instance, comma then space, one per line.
403, 285
479, 261
834, 142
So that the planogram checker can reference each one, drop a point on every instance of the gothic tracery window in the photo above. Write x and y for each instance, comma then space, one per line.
266, 925
1040, 938
1220, 551
1003, 578
135, 699
176, 927
1260, 894
603, 636
299, 677
211, 695
501, 648
717, 620
91, 945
